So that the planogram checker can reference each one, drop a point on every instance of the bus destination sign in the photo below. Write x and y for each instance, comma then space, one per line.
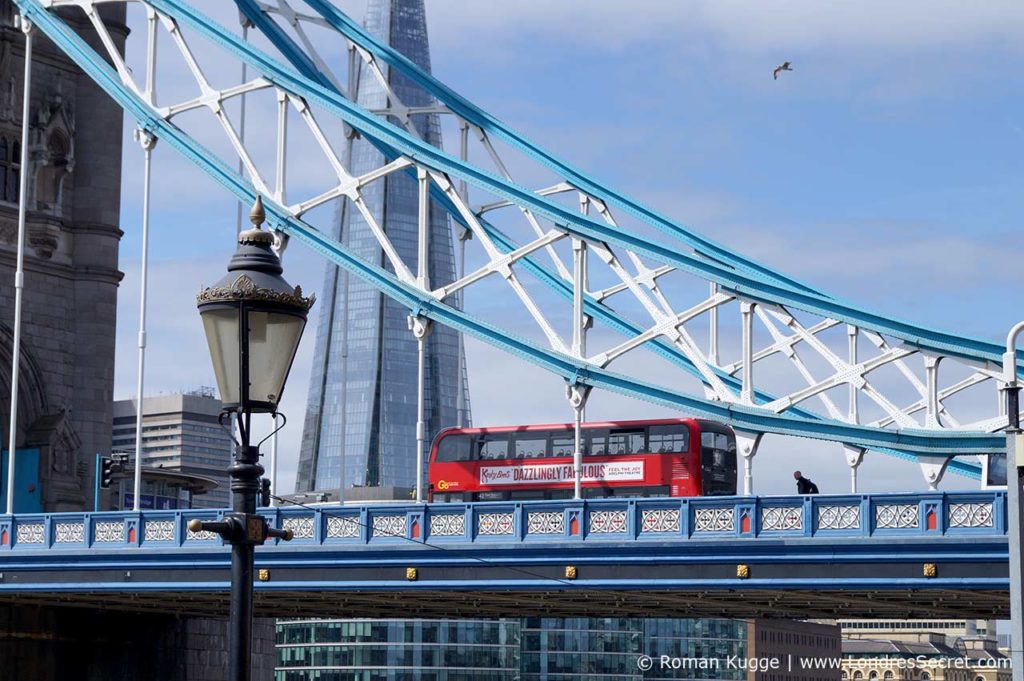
542, 473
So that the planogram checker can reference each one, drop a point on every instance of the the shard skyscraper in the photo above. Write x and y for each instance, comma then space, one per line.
360, 428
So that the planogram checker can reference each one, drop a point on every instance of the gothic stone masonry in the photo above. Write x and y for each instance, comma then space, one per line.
71, 274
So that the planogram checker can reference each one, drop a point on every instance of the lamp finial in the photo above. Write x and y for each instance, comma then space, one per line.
257, 215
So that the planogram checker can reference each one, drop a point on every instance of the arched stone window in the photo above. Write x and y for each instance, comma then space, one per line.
10, 167
888, 675
858, 675
873, 675
925, 676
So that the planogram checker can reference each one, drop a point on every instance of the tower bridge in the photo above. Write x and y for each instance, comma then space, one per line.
920, 555
597, 275
601, 260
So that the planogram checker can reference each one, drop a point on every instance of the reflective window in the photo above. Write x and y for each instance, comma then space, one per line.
603, 442
626, 442
455, 448
493, 447
564, 445
669, 439
529, 446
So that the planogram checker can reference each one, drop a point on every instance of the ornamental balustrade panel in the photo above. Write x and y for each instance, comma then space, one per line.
897, 516
495, 524
741, 519
838, 517
158, 530
69, 532
545, 522
343, 527
971, 515
713, 520
447, 524
782, 518
660, 521
302, 528
389, 526
108, 531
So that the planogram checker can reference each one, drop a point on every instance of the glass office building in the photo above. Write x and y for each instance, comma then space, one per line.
530, 649
360, 426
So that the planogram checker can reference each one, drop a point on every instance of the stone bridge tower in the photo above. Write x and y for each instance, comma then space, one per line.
71, 269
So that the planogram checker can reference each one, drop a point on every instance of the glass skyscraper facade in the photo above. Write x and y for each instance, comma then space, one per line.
529, 649
360, 427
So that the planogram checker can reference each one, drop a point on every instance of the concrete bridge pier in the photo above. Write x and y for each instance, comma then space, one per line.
46, 643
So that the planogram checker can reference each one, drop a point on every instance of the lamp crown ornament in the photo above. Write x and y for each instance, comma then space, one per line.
254, 258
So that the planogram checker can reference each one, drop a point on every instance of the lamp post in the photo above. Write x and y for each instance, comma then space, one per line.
1014, 478
253, 321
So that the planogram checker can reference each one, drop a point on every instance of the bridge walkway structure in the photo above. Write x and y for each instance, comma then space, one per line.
872, 555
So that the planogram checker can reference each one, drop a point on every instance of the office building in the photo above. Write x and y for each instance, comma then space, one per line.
528, 649
928, 650
891, 628
179, 433
805, 651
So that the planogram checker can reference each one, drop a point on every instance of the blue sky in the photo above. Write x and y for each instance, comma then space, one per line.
886, 169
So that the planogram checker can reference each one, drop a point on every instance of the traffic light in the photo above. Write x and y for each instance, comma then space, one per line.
106, 472
264, 492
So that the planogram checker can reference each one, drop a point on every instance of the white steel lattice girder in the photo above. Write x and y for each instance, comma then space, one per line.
767, 294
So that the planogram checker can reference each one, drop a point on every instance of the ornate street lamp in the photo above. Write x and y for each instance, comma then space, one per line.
253, 321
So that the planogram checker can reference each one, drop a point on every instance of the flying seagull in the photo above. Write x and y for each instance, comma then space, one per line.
785, 67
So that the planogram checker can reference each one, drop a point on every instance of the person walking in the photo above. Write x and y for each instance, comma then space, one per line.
803, 485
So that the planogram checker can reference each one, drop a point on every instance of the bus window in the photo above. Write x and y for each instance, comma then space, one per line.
494, 447
530, 446
449, 497
626, 442
673, 439
718, 463
454, 448
563, 445
597, 442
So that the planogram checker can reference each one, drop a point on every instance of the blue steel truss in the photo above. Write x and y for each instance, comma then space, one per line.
736, 275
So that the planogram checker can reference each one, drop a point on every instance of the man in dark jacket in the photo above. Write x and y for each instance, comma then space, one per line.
803, 485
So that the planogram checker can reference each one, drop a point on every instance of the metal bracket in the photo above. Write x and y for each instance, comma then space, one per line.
145, 138
420, 326
577, 394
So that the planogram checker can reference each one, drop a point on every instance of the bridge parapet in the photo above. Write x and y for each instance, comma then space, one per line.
688, 519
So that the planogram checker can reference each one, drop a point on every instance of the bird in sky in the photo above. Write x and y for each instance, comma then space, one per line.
784, 67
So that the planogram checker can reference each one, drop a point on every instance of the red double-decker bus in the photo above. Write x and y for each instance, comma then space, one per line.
664, 457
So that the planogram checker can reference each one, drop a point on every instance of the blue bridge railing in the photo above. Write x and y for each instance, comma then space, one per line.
930, 514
